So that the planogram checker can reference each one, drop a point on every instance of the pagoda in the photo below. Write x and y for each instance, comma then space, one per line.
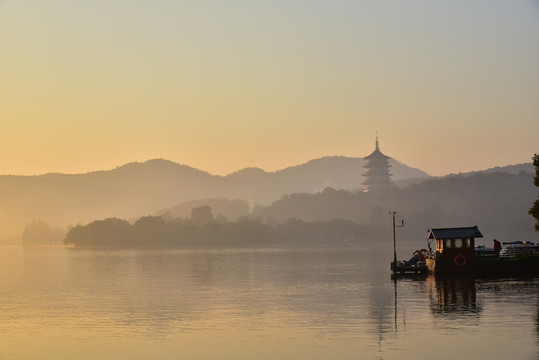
376, 170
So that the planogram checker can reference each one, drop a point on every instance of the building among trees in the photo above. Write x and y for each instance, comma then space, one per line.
377, 173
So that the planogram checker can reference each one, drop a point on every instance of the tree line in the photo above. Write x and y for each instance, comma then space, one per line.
202, 229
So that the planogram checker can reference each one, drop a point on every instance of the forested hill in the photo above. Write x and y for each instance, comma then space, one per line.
137, 189
497, 202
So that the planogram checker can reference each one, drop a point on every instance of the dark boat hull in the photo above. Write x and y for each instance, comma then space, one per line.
518, 266
521, 266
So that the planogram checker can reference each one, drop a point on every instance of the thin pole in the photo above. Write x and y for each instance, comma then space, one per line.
394, 242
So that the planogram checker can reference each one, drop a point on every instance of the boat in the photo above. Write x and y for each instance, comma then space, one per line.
416, 265
518, 248
456, 253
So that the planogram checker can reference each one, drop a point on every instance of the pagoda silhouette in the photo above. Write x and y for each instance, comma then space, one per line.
377, 175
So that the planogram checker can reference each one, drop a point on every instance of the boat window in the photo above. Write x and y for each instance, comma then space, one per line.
458, 243
469, 242
448, 243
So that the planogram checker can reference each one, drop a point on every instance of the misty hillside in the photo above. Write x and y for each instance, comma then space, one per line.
137, 189
337, 172
510, 169
68, 199
497, 202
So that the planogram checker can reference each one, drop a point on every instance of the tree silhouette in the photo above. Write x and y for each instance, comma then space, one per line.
202, 215
534, 210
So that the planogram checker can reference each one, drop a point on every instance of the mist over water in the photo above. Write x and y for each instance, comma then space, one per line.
329, 301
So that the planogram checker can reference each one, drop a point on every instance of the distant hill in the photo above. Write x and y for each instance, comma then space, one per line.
261, 188
338, 172
126, 191
139, 189
495, 201
510, 169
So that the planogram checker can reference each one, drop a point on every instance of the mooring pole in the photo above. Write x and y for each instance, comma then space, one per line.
394, 241
394, 263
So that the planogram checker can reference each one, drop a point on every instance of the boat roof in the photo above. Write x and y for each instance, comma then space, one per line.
455, 233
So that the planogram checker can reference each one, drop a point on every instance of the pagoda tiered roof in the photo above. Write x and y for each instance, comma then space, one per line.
376, 170
377, 154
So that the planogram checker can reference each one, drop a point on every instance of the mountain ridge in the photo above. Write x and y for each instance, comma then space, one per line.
511, 168
141, 188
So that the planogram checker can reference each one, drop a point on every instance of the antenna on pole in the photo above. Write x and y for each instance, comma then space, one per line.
394, 263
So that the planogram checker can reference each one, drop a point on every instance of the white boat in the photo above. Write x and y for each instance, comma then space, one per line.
518, 248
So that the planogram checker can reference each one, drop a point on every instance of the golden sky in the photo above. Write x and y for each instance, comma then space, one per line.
222, 85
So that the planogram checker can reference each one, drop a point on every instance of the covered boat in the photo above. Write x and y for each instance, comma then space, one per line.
456, 253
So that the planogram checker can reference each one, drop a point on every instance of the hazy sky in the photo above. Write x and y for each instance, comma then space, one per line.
450, 86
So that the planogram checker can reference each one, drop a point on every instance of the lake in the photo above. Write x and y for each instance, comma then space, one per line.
327, 302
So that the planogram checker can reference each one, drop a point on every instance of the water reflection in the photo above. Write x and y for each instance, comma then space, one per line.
160, 294
315, 303
537, 321
453, 296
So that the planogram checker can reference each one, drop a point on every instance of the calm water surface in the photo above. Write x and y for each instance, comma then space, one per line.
332, 302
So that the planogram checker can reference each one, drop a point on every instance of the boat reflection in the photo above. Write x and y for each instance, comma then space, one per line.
453, 296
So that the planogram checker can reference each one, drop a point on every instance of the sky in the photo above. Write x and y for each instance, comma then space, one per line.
448, 86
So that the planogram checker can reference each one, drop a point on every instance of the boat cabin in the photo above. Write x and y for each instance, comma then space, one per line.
455, 247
